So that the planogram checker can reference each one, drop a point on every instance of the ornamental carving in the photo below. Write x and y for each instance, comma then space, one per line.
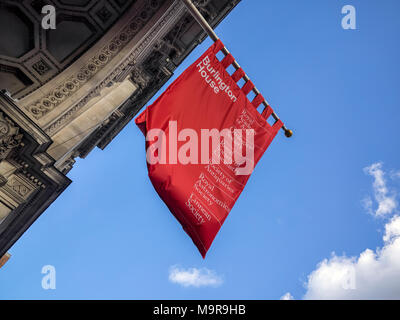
10, 137
128, 62
93, 66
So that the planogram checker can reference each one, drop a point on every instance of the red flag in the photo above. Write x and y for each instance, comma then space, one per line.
203, 138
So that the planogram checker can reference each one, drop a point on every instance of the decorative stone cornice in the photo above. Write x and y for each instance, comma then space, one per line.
73, 83
10, 137
128, 62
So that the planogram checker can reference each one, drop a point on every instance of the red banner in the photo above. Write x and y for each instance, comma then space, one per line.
203, 139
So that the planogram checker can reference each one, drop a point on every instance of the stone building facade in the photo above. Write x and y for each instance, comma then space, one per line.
69, 90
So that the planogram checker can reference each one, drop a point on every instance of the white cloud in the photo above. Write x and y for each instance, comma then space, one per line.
395, 174
371, 275
287, 296
194, 277
385, 198
374, 274
392, 230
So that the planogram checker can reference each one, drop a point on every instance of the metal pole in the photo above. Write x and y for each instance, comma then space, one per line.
207, 28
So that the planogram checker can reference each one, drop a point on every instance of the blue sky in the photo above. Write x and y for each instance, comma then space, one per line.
109, 236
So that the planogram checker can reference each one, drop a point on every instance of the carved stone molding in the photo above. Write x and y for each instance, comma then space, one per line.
10, 137
45, 55
140, 79
121, 67
19, 187
73, 83
29, 182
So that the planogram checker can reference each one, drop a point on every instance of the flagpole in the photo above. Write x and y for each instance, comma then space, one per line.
209, 30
